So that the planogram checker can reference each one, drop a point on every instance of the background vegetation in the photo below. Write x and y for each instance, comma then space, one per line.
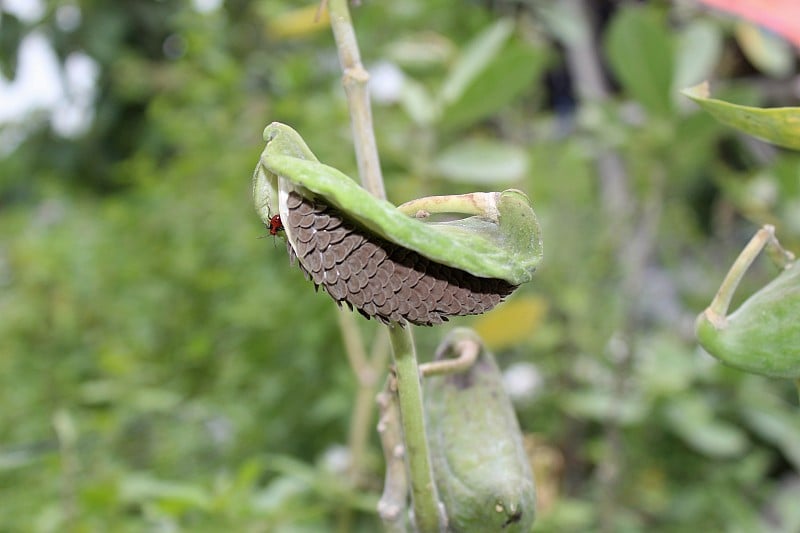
162, 368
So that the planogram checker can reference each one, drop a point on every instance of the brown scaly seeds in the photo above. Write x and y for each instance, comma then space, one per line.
378, 278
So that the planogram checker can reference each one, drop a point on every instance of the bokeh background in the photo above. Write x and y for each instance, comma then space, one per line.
163, 368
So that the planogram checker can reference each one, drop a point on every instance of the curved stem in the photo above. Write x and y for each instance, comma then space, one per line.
476, 203
466, 351
722, 300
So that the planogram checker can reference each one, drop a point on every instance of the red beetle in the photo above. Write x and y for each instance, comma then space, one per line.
275, 225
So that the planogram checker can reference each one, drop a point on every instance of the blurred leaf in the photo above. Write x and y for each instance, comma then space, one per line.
603, 405
153, 399
767, 52
418, 103
779, 126
567, 515
782, 510
778, 426
336, 488
278, 494
511, 323
140, 488
299, 22
695, 137
559, 19
11, 459
699, 49
506, 77
421, 50
692, 419
12, 30
66, 428
482, 161
474, 59
640, 50
666, 366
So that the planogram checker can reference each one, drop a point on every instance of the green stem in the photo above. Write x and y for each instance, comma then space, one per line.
409, 390
355, 80
423, 490
722, 300
464, 343
476, 203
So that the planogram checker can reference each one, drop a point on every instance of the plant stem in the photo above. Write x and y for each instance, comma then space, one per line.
409, 391
722, 300
394, 500
423, 489
367, 371
466, 350
355, 80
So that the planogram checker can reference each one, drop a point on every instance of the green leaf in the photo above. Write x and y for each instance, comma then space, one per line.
11, 35
498, 235
640, 50
692, 419
604, 405
503, 79
780, 125
699, 48
418, 103
777, 426
477, 55
768, 52
482, 161
140, 488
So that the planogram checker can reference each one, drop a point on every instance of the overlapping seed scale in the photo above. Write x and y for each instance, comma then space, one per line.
378, 278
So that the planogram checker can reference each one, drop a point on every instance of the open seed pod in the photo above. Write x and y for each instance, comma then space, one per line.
395, 264
763, 335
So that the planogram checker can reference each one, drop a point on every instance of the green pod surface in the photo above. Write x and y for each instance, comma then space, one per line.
480, 465
763, 335
501, 239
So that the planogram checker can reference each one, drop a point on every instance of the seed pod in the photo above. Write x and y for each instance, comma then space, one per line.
763, 335
385, 261
480, 465
379, 278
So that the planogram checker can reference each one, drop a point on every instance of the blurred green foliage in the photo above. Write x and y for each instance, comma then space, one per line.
162, 367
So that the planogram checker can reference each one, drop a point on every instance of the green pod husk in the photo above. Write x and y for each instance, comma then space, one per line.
480, 466
496, 235
763, 335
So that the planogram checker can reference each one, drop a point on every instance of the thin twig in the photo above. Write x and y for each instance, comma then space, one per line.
392, 506
353, 344
355, 79
360, 421
367, 370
